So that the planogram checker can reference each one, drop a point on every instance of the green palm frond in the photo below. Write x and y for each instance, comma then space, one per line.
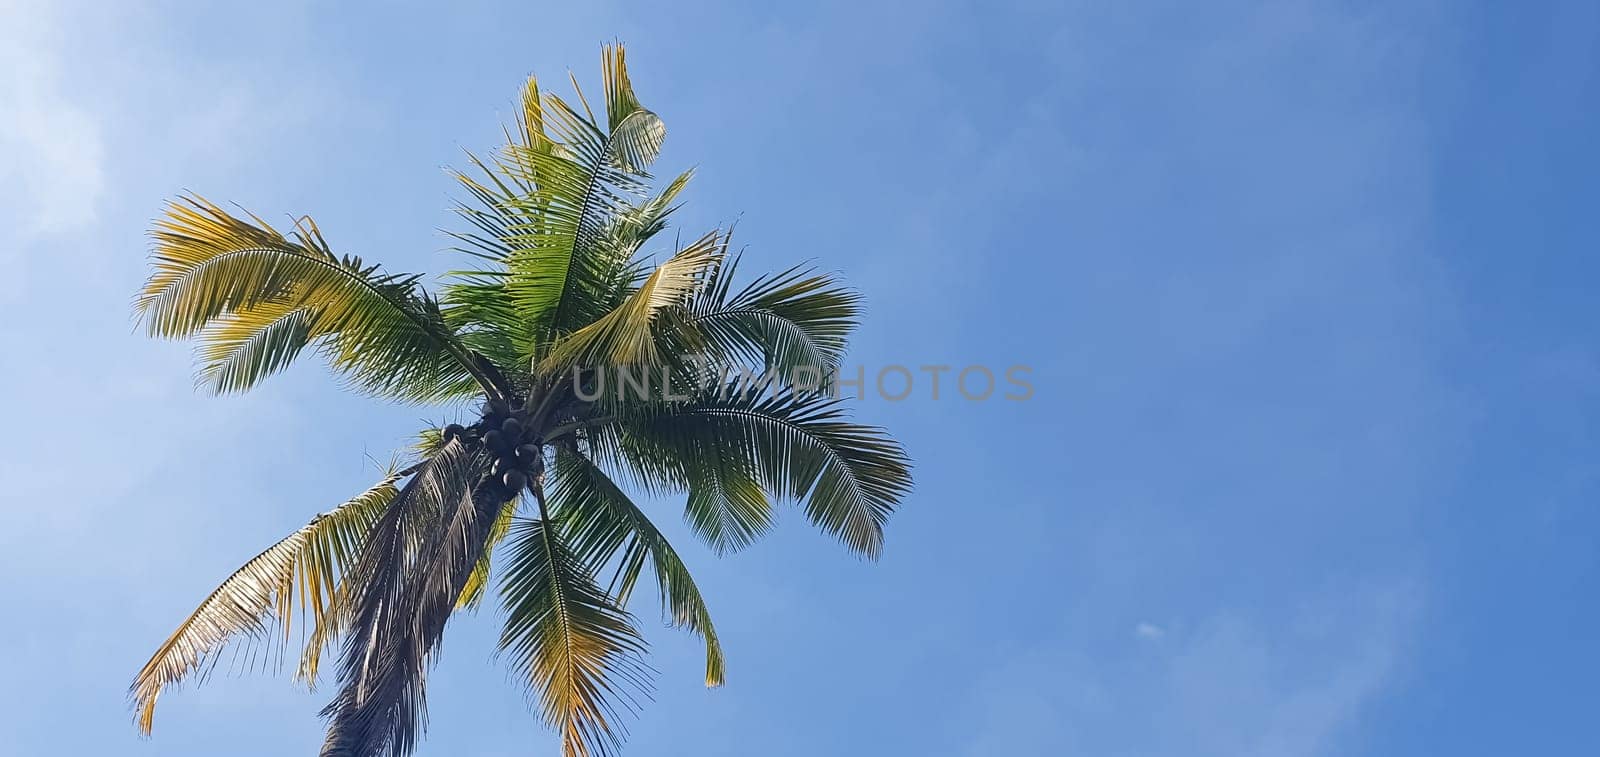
604, 525
477, 303
556, 219
626, 335
798, 318
429, 441
797, 444
575, 647
475, 300
582, 176
727, 507
310, 561
256, 298
620, 268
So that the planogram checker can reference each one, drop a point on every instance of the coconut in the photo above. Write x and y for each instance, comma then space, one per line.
494, 439
514, 479
528, 453
512, 428
453, 431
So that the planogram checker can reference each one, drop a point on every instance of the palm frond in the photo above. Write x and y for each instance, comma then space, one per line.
552, 215
429, 442
621, 103
727, 504
312, 560
581, 179
637, 132
625, 335
799, 445
476, 301
795, 319
575, 647
410, 573
239, 348
235, 283
604, 525
472, 594
619, 268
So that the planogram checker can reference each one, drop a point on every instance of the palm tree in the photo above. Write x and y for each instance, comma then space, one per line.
559, 293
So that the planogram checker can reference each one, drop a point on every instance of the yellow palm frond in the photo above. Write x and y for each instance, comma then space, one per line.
256, 298
310, 561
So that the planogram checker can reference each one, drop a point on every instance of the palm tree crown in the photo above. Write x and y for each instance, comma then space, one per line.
560, 292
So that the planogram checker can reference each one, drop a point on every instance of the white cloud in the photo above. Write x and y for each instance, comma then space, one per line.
51, 148
52, 156
1147, 630
1275, 684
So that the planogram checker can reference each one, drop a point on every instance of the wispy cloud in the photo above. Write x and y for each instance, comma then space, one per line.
1147, 630
51, 147
52, 154
1274, 684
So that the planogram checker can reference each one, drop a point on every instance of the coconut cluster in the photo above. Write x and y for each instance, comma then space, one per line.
517, 452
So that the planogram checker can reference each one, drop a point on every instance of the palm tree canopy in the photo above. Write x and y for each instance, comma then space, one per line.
558, 294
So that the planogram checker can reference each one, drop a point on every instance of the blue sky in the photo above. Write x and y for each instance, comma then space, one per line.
1311, 467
